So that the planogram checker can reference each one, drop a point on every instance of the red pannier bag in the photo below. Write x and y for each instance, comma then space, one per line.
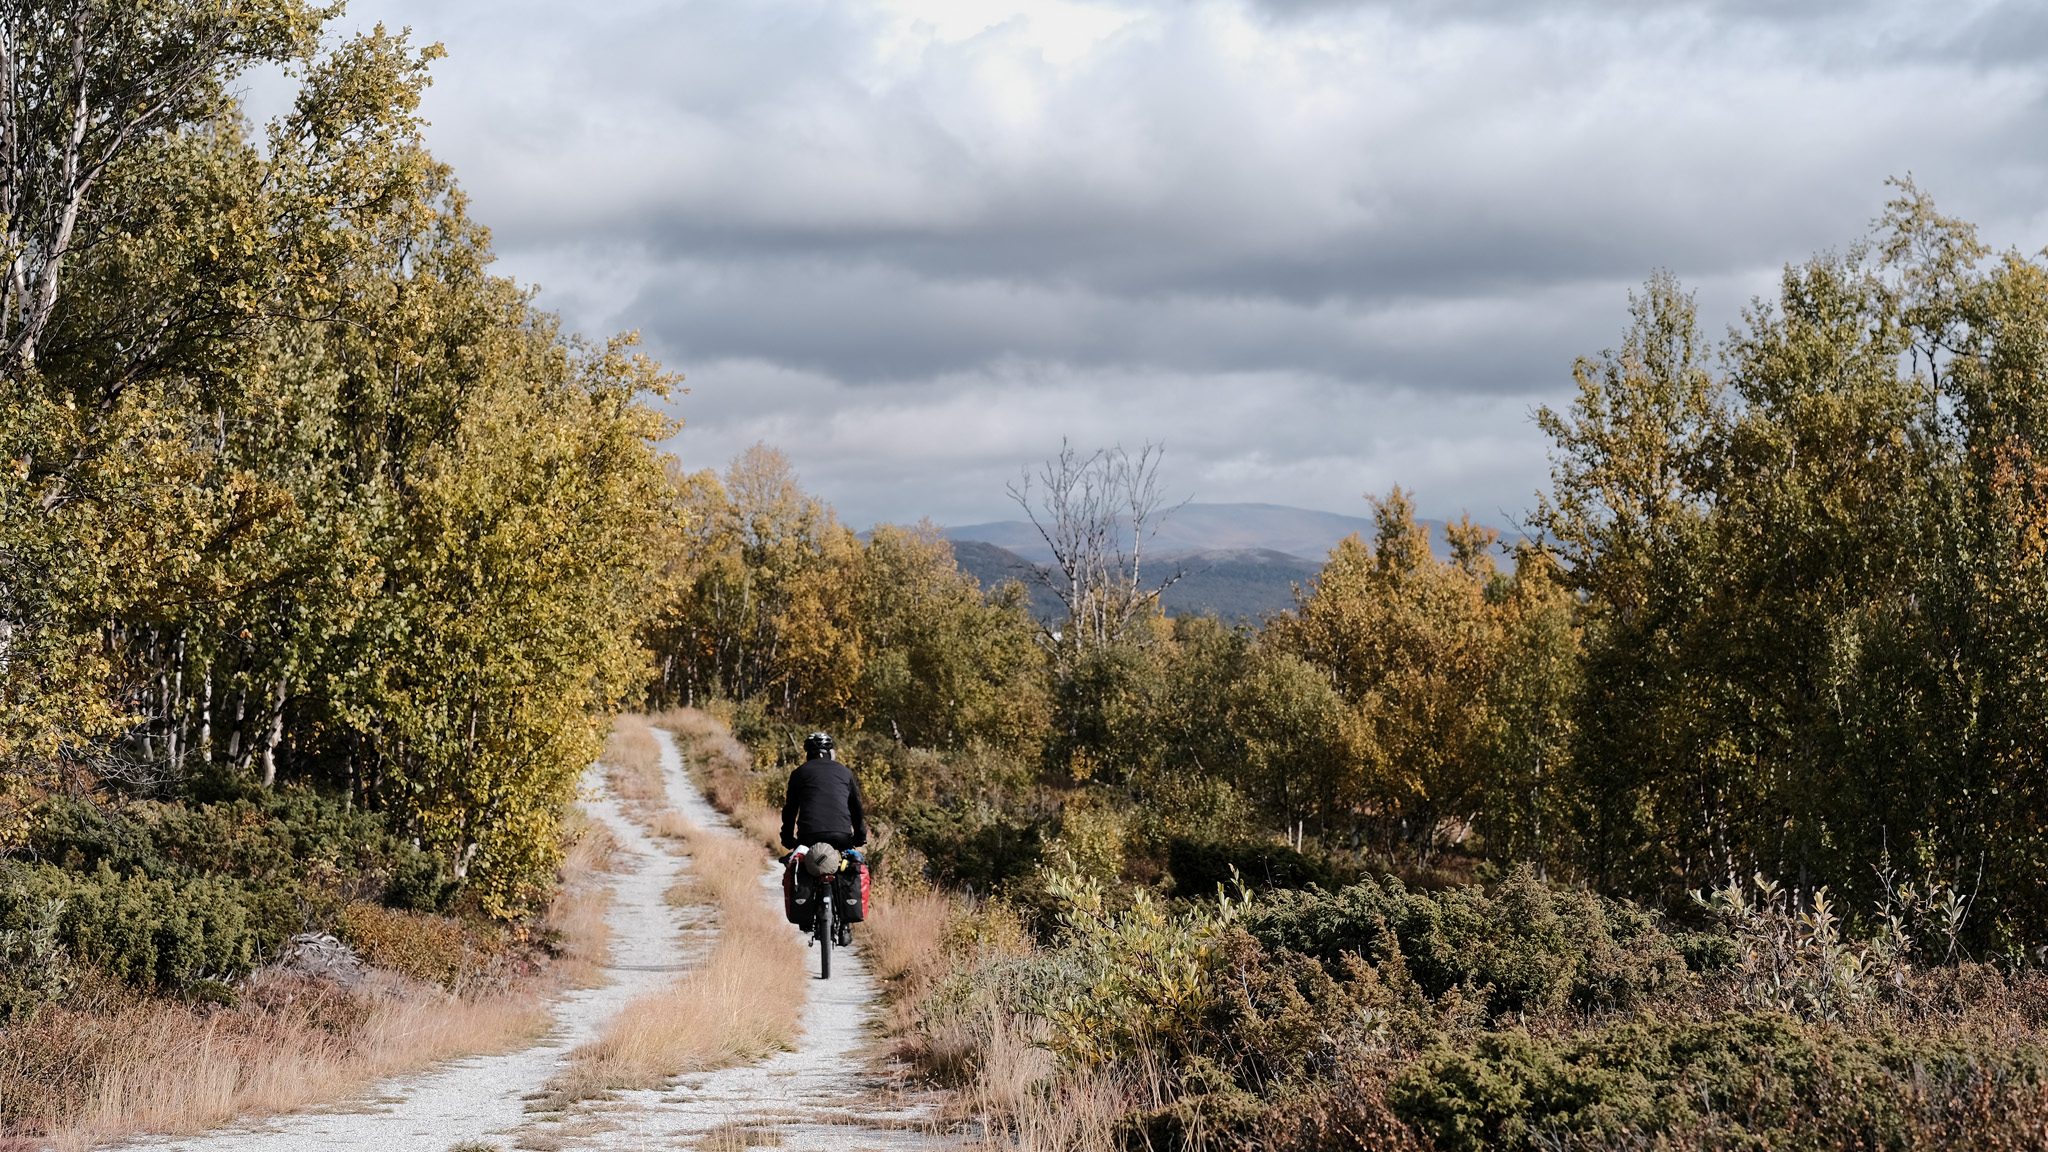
789, 881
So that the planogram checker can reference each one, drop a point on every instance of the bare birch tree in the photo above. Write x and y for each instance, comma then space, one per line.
1097, 514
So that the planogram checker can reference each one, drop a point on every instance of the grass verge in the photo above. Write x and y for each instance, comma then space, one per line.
142, 1065
110, 1062
723, 768
632, 767
925, 946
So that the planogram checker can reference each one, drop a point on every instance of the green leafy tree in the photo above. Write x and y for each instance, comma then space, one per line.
296, 486
1411, 645
1810, 603
947, 665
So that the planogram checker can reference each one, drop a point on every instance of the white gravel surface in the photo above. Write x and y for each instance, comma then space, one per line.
821, 1096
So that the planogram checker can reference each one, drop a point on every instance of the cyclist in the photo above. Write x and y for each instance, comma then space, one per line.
823, 808
824, 801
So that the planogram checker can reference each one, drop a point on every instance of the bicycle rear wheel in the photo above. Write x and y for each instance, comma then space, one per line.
825, 933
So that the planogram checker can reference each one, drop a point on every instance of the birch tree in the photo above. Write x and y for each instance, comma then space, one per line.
297, 490
1098, 515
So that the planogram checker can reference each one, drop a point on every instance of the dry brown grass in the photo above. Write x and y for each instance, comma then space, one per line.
1009, 1085
632, 764
669, 824
1083, 1111
111, 1063
904, 940
574, 925
917, 939
733, 1136
724, 769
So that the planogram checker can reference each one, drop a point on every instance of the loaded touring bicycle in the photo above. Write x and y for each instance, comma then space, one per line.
825, 893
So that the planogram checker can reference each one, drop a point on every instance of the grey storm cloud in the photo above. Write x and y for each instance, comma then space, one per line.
1316, 246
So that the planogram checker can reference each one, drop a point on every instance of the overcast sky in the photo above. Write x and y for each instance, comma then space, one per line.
1317, 247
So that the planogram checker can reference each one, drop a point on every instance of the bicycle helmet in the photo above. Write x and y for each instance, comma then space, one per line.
817, 742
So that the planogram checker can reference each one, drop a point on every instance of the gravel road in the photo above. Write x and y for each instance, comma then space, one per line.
817, 1097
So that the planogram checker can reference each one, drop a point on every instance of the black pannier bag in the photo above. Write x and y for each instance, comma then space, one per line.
853, 889
797, 891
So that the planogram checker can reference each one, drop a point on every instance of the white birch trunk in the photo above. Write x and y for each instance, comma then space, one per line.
236, 755
206, 718
276, 732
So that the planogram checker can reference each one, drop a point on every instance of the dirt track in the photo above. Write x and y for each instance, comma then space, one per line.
816, 1097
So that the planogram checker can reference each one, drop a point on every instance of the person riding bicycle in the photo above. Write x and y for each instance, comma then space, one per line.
823, 817
824, 801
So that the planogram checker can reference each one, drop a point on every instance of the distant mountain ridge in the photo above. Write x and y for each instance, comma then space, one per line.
1232, 584
1239, 561
1300, 532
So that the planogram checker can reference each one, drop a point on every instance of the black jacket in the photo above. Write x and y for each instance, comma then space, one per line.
824, 804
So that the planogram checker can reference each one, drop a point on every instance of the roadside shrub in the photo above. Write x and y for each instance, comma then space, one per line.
434, 949
1347, 1114
1289, 1018
894, 776
419, 882
775, 743
35, 967
257, 835
1093, 836
1799, 960
163, 933
975, 847
1762, 1080
1531, 947
1137, 981
1706, 951
1198, 866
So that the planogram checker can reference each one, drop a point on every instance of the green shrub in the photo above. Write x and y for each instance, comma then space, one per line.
1140, 980
80, 836
35, 967
150, 931
1286, 1018
775, 742
419, 882
255, 835
1742, 1081
1706, 951
1531, 946
1198, 866
976, 847
1093, 838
